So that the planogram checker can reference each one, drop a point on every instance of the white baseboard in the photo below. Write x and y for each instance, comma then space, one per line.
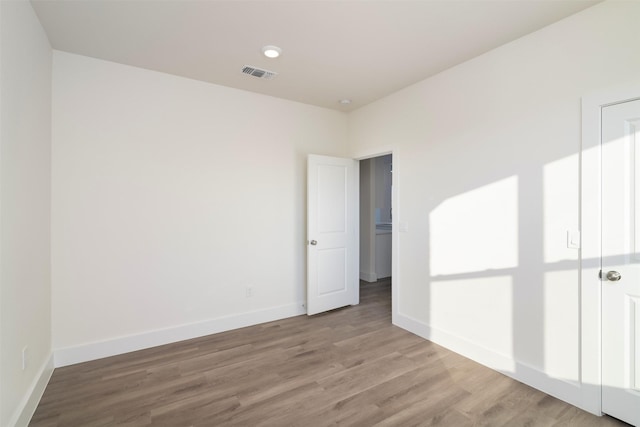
29, 403
100, 349
368, 276
566, 390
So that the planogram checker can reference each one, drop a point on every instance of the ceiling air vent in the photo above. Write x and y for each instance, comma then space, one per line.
258, 72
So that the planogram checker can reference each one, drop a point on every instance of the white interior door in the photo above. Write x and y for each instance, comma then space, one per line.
332, 233
621, 261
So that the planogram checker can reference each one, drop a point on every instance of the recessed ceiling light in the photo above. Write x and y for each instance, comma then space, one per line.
345, 101
271, 51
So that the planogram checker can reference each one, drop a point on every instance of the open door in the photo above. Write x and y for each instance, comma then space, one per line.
332, 233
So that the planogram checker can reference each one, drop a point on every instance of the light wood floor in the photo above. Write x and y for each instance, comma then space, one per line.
346, 367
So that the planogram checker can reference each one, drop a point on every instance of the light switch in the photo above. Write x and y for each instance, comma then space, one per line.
573, 239
404, 226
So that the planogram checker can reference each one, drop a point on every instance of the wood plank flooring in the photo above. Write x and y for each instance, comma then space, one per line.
346, 367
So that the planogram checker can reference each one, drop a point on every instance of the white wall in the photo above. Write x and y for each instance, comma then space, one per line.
25, 157
170, 197
486, 159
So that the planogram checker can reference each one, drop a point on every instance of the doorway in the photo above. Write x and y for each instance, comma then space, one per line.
376, 221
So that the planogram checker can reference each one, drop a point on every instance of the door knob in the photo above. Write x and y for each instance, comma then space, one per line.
613, 276
313, 242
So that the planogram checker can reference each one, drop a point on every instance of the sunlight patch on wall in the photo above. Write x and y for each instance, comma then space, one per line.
561, 325
561, 178
476, 230
478, 310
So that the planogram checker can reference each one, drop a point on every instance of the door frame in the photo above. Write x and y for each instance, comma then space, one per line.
591, 245
395, 223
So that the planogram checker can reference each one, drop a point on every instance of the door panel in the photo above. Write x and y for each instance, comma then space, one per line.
332, 249
620, 253
332, 195
332, 271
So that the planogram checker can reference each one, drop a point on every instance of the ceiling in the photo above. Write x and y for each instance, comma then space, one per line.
331, 50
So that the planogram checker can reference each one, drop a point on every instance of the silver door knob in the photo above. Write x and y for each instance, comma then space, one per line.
313, 243
613, 276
